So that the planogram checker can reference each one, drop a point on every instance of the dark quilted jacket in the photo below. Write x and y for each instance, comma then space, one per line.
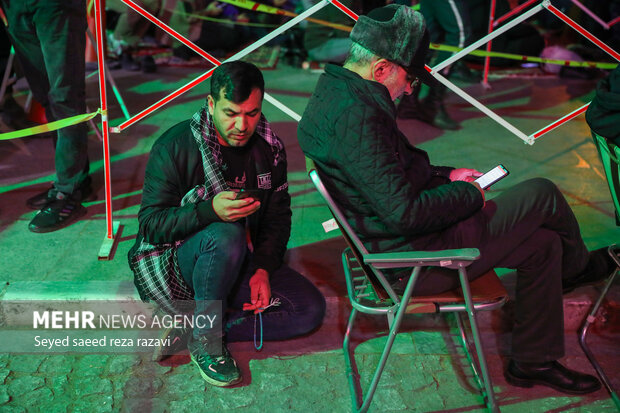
391, 194
603, 115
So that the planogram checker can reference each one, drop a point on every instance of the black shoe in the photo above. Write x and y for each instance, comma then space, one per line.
551, 374
443, 121
148, 64
431, 110
174, 341
40, 200
128, 63
600, 266
215, 363
57, 214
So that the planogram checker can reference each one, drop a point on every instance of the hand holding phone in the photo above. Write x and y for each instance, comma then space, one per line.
248, 193
230, 209
491, 177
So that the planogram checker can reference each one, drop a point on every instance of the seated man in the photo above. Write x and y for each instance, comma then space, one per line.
396, 200
222, 247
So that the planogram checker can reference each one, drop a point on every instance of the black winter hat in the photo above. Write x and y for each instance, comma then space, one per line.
396, 33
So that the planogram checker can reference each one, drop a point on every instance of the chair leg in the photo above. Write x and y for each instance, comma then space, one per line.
349, 356
488, 385
590, 319
352, 372
466, 343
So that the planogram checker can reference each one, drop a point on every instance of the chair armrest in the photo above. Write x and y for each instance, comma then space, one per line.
444, 258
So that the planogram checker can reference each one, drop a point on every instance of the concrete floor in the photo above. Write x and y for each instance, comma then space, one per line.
424, 373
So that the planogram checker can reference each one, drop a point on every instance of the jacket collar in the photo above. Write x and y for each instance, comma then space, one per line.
370, 89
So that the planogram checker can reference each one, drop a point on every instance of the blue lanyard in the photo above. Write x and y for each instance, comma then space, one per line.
273, 303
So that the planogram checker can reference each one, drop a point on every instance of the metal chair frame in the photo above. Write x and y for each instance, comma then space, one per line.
369, 292
610, 157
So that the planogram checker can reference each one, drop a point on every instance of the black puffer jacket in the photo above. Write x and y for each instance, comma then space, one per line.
603, 115
391, 194
175, 167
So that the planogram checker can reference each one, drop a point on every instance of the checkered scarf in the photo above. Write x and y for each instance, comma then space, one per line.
156, 270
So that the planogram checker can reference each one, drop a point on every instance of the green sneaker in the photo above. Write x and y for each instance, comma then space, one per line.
215, 363
175, 341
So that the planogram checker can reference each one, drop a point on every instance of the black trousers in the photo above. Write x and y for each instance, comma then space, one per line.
49, 40
530, 228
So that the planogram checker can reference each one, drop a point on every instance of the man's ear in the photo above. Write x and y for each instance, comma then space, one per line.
210, 104
380, 70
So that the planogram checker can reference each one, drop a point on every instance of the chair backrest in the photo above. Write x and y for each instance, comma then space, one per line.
610, 157
351, 238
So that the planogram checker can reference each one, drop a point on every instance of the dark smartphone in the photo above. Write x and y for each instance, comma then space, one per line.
248, 193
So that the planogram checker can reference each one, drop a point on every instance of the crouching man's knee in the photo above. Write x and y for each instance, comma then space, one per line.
225, 239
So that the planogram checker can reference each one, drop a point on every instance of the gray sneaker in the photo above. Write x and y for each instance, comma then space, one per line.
215, 363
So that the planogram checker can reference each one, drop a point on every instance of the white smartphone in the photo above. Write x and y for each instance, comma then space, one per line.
492, 176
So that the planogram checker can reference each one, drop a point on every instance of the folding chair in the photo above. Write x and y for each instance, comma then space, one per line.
610, 157
369, 292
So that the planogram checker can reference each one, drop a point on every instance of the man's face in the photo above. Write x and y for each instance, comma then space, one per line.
235, 123
398, 82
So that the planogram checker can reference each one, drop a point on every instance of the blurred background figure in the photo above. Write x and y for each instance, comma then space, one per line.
326, 44
447, 22
130, 29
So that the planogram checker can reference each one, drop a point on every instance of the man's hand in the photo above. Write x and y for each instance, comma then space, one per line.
463, 174
230, 210
467, 175
480, 190
260, 292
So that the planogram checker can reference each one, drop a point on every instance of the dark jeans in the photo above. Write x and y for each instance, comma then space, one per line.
531, 228
49, 40
216, 262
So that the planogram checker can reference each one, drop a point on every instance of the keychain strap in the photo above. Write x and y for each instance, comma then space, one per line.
275, 302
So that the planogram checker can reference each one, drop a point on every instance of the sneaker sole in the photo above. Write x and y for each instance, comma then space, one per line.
80, 212
214, 382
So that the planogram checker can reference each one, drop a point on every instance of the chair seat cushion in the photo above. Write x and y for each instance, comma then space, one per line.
484, 289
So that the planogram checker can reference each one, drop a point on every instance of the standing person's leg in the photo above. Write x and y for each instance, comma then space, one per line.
210, 261
26, 28
23, 35
51, 38
454, 23
301, 308
61, 28
449, 23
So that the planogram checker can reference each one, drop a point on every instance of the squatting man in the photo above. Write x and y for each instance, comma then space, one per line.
201, 239
396, 200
